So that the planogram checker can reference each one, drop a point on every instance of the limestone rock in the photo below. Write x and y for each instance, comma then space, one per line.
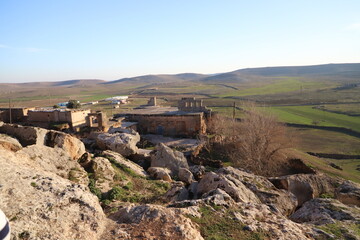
104, 173
167, 158
305, 186
9, 143
54, 160
260, 217
123, 143
156, 222
118, 158
324, 211
43, 205
160, 173
177, 192
348, 193
235, 188
25, 134
186, 176
73, 146
283, 201
38, 136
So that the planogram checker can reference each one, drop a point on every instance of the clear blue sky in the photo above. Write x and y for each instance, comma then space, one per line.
110, 39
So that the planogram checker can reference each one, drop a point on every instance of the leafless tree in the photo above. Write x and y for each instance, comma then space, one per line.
252, 142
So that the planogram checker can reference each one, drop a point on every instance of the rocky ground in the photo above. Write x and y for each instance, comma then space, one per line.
52, 188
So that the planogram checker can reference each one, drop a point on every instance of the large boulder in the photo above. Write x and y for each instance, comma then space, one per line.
119, 159
42, 205
73, 146
155, 222
279, 199
232, 186
160, 173
306, 186
167, 158
325, 211
186, 176
348, 193
123, 143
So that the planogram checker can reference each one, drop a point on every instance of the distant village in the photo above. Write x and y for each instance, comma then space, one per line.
188, 119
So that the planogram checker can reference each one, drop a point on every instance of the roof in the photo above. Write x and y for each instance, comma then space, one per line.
156, 110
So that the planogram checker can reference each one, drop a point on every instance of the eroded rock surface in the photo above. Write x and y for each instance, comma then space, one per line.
324, 211
155, 222
167, 158
43, 205
123, 143
159, 173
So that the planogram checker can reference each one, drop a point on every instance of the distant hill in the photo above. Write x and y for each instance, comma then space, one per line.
161, 78
347, 70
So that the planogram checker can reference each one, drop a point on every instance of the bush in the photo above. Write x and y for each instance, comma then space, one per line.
73, 104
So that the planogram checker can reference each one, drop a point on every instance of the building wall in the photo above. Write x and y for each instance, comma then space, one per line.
74, 117
170, 125
17, 114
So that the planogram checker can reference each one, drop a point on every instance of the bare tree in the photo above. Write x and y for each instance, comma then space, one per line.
252, 142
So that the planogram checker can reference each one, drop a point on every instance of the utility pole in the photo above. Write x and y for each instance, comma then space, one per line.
234, 106
10, 120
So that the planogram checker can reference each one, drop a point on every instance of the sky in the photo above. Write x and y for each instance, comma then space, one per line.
42, 40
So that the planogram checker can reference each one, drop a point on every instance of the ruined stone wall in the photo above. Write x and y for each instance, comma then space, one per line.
192, 105
17, 114
78, 118
170, 125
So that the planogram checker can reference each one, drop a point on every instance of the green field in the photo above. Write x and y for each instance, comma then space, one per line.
310, 116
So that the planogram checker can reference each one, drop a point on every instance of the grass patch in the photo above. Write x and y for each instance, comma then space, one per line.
215, 225
311, 116
342, 231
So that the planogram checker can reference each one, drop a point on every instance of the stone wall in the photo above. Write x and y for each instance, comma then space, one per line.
17, 114
170, 125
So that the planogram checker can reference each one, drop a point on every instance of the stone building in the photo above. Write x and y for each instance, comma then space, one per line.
187, 120
74, 117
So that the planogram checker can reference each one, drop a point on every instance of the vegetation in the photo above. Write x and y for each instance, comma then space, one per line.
252, 142
73, 104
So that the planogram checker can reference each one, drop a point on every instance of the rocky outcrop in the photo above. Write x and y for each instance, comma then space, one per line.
73, 146
305, 186
25, 134
325, 211
9, 143
198, 171
167, 158
119, 159
123, 143
43, 205
54, 160
232, 186
42, 137
279, 199
155, 222
348, 193
160, 173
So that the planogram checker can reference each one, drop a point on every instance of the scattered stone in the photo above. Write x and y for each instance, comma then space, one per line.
198, 171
